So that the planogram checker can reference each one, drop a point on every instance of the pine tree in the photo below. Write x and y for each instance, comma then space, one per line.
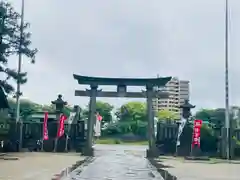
10, 41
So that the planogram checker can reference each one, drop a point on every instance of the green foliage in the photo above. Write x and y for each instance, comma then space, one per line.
103, 108
214, 116
125, 127
132, 111
25, 104
208, 139
118, 141
108, 141
13, 42
163, 115
28, 107
112, 129
132, 119
140, 128
48, 108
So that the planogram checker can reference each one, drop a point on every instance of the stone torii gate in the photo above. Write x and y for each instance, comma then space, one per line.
121, 84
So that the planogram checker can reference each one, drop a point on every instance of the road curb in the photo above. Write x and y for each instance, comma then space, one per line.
81, 168
5, 156
154, 171
165, 175
66, 171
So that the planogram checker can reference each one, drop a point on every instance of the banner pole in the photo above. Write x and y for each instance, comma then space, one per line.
42, 135
191, 148
43, 128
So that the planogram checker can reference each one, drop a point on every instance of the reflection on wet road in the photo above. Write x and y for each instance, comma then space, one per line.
117, 162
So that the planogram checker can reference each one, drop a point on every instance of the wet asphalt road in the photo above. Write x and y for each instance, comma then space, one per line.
117, 162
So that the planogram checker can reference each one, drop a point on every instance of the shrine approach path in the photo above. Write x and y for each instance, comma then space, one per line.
117, 162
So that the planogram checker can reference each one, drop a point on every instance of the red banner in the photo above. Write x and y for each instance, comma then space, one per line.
196, 132
45, 127
61, 125
99, 117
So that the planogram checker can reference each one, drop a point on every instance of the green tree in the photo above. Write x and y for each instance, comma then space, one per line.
217, 116
132, 111
103, 108
25, 105
48, 108
133, 118
214, 116
163, 115
13, 42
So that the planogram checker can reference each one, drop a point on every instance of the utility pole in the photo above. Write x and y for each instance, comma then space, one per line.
227, 109
18, 93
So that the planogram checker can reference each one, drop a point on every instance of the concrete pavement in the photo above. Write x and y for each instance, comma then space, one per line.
36, 166
188, 170
117, 162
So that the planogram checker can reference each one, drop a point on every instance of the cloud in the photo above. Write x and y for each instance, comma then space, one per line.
133, 38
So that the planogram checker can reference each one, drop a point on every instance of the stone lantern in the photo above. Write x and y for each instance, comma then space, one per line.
186, 109
59, 105
186, 114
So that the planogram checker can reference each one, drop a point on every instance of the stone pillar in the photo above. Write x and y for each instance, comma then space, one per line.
59, 105
88, 150
223, 143
152, 151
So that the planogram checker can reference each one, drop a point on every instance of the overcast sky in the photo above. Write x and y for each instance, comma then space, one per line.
131, 38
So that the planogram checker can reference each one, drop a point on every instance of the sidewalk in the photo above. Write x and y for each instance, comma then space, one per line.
36, 166
188, 170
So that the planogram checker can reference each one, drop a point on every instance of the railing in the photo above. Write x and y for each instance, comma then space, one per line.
166, 131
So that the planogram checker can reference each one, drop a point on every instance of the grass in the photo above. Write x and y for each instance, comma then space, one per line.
118, 141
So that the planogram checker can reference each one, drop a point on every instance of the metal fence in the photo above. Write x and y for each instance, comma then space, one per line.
33, 132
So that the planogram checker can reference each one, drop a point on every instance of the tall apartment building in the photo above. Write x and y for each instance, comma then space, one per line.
178, 92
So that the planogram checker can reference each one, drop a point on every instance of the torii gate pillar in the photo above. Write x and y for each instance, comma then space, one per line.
88, 150
152, 151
